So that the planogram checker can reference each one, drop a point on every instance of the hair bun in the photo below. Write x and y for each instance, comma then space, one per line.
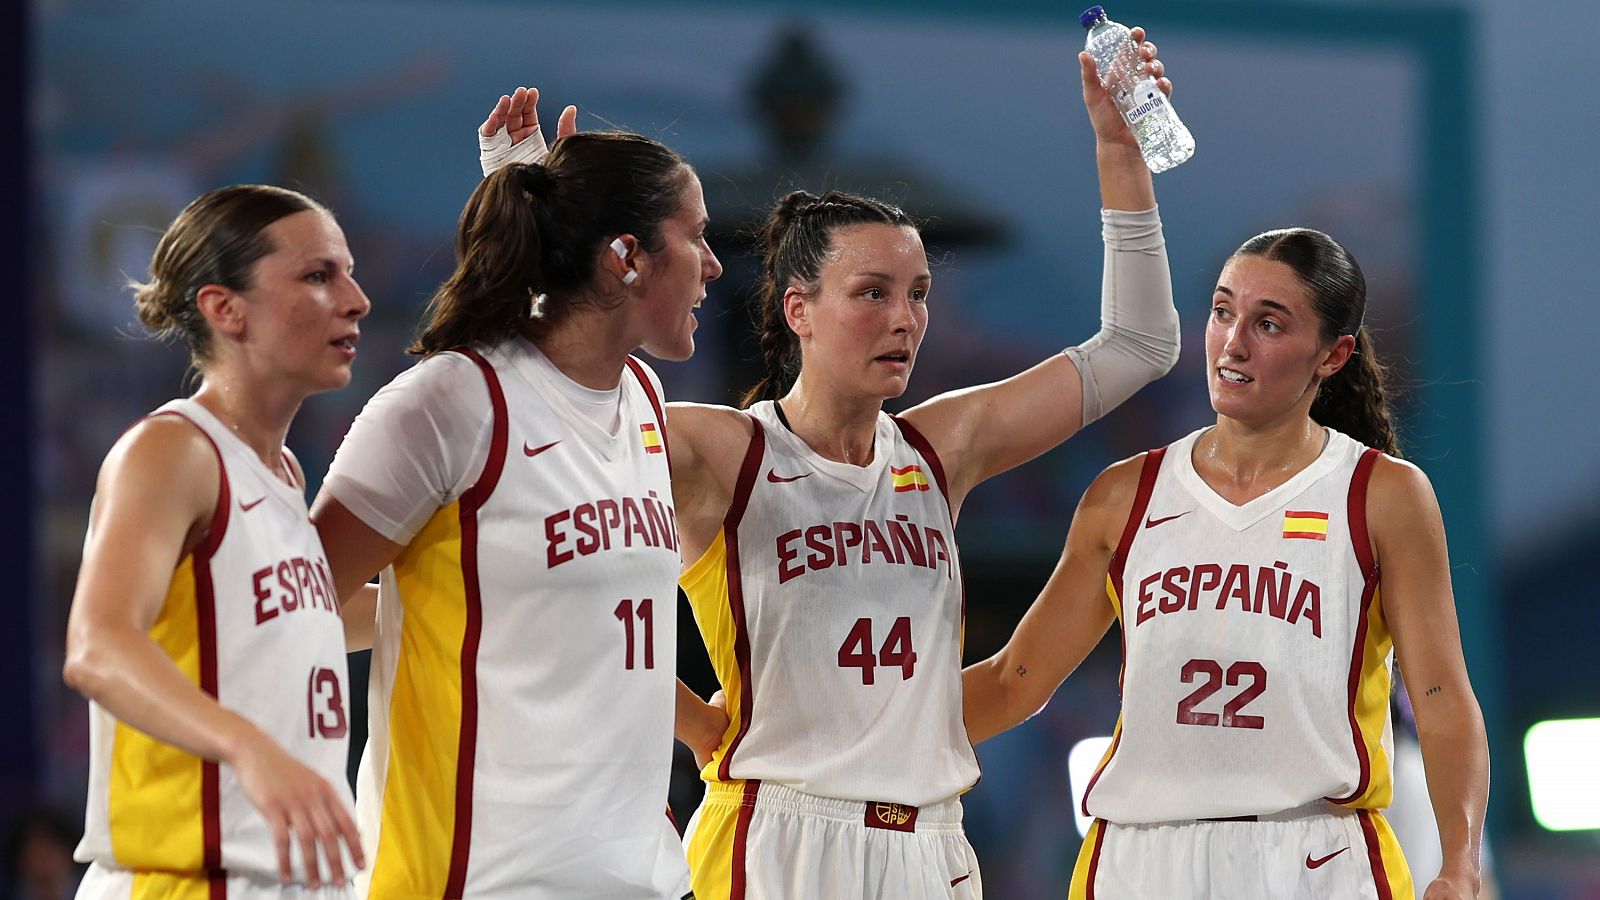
536, 179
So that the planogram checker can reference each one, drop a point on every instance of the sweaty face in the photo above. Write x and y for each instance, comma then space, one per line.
862, 326
303, 304
675, 279
1265, 354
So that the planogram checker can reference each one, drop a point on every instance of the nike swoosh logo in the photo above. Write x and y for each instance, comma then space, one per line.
775, 478
246, 507
1151, 523
961, 879
1317, 863
535, 451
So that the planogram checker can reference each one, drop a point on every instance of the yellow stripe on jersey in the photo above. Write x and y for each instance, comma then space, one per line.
170, 886
419, 798
1372, 707
1401, 887
157, 819
706, 584
1079, 887
711, 847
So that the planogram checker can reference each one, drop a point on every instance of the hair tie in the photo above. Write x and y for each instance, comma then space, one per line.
537, 180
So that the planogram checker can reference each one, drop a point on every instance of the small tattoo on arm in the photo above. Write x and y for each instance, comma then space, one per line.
1022, 670
1434, 690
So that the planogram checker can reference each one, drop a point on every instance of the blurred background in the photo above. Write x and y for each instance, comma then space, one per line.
1448, 144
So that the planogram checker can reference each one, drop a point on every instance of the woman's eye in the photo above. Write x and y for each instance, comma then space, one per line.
872, 294
317, 277
1219, 312
919, 296
1270, 326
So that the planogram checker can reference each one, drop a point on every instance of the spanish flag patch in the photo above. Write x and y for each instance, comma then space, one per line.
651, 437
908, 478
1310, 526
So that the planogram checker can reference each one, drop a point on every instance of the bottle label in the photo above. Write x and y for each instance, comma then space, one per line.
1146, 99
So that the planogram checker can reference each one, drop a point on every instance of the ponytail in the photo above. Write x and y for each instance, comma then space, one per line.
1353, 400
528, 238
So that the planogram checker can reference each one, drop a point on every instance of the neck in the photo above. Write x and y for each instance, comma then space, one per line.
1246, 460
259, 413
836, 429
589, 346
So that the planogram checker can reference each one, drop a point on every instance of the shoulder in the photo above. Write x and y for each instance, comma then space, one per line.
708, 423
166, 457
709, 443
1399, 495
1115, 487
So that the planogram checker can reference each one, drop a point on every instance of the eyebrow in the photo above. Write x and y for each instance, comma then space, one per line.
885, 276
1274, 304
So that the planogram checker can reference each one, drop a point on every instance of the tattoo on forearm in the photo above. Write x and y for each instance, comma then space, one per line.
1022, 670
1436, 689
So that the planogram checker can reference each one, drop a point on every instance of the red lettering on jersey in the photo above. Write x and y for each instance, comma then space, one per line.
895, 542
1308, 602
875, 541
263, 594
1236, 584
1146, 599
787, 555
846, 537
1174, 583
907, 543
1178, 589
610, 520
822, 553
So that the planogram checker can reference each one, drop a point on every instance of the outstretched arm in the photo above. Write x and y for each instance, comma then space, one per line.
985, 430
1408, 537
1065, 622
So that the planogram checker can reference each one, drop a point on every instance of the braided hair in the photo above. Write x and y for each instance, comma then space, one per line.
795, 243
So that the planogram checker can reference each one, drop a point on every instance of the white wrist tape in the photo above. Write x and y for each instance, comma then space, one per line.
1138, 340
496, 151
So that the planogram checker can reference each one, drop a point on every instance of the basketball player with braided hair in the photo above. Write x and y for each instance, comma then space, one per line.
1265, 572
818, 537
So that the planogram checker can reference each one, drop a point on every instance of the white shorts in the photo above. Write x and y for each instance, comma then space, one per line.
1319, 852
762, 841
103, 882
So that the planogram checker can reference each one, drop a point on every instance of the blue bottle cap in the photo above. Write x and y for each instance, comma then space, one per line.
1090, 16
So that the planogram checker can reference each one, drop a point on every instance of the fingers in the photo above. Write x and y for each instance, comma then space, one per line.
497, 117
346, 825
307, 832
568, 123
280, 840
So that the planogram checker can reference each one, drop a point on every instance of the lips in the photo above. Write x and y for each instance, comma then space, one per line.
1232, 376
347, 343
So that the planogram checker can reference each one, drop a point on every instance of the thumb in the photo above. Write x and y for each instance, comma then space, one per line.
1087, 68
568, 123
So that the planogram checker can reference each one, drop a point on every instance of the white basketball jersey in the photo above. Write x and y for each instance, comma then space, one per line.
251, 616
832, 607
1256, 657
524, 670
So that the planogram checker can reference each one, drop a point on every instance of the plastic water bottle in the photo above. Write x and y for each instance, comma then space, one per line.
1162, 138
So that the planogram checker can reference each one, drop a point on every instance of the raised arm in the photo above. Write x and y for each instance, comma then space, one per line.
154, 502
510, 133
1065, 622
1409, 540
985, 430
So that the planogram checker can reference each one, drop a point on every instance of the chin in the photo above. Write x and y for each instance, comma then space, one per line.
673, 352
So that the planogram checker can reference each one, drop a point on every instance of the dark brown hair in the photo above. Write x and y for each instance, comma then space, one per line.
795, 242
536, 229
1352, 400
217, 239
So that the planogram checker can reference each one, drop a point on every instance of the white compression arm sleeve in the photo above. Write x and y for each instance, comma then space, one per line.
1138, 338
496, 151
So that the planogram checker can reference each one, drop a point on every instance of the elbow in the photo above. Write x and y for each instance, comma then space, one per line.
81, 670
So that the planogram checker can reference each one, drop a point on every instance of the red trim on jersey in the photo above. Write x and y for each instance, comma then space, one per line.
1356, 515
1380, 876
1141, 502
1119, 559
655, 404
915, 439
741, 638
217, 886
674, 820
205, 598
741, 837
472, 501
1094, 860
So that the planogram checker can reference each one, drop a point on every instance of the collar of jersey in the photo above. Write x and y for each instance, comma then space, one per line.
788, 444
519, 355
285, 492
1240, 517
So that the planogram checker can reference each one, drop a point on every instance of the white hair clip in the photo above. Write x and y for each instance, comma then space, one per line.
621, 250
536, 306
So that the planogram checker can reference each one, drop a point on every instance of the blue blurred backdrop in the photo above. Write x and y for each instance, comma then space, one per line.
1450, 145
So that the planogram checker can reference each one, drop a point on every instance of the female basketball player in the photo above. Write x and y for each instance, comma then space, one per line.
514, 487
1262, 570
204, 627
819, 536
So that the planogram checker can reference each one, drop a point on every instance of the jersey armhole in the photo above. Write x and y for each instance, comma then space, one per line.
1141, 502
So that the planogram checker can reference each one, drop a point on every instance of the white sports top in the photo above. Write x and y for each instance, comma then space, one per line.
831, 603
1256, 657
